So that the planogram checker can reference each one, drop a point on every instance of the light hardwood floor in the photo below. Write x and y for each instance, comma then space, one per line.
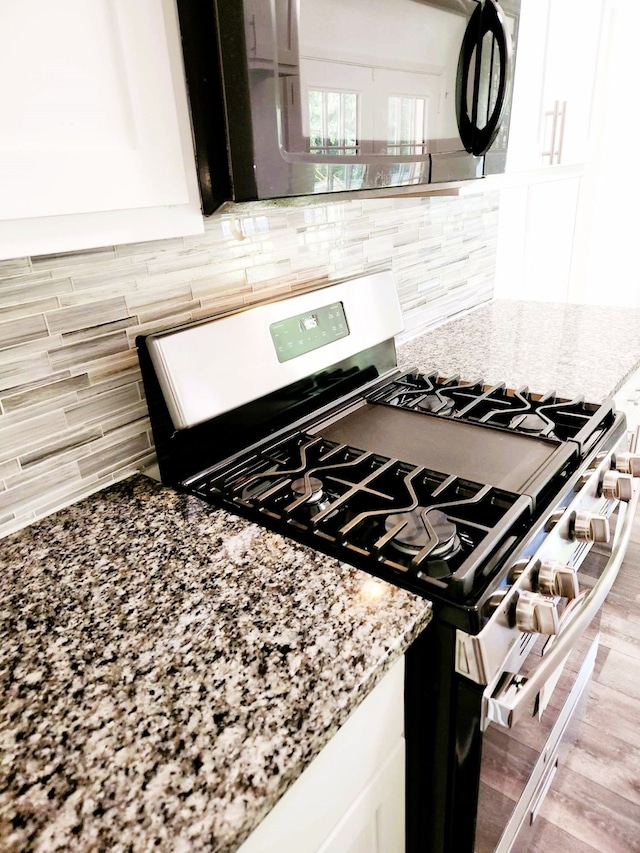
594, 803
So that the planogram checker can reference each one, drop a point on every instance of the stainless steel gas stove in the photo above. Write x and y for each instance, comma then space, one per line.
484, 499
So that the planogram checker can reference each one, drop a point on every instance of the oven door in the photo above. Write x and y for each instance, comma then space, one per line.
519, 764
531, 717
350, 95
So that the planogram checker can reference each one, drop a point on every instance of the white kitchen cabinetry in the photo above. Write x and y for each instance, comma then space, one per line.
559, 46
351, 797
560, 56
536, 228
95, 137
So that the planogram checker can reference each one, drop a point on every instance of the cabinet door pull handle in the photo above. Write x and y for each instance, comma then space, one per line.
563, 115
551, 151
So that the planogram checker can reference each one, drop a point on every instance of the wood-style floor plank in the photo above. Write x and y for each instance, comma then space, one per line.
551, 837
590, 813
614, 714
621, 672
596, 750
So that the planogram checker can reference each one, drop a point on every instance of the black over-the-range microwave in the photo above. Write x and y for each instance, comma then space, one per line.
304, 97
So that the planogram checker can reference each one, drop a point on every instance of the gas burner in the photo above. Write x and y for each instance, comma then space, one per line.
531, 423
402, 400
437, 404
515, 410
311, 499
420, 530
308, 487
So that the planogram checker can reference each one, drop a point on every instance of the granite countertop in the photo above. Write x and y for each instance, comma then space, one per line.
168, 669
572, 349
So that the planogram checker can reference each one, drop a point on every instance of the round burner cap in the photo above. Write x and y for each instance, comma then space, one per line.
436, 404
445, 532
415, 535
310, 487
529, 423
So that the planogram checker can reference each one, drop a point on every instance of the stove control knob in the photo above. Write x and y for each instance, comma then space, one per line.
584, 479
537, 614
553, 518
617, 486
517, 570
591, 527
556, 578
628, 463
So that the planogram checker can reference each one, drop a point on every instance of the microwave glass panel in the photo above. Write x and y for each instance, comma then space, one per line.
330, 177
374, 84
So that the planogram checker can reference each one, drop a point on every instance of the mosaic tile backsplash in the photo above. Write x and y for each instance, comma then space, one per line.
72, 412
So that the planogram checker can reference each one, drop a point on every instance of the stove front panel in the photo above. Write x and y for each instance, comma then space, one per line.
208, 368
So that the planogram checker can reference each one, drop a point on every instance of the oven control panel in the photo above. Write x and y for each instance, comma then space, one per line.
303, 333
546, 574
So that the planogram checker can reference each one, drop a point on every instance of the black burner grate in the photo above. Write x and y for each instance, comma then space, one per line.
393, 518
546, 415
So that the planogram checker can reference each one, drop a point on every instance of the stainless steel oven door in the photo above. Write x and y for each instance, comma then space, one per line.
519, 764
531, 716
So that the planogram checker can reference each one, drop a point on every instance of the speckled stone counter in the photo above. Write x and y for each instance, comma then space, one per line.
166, 670
572, 349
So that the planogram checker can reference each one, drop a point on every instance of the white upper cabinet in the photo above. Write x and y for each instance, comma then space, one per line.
558, 51
95, 143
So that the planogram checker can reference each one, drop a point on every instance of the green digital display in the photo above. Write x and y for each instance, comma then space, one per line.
303, 333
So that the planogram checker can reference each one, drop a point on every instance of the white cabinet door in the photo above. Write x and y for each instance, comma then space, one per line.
524, 150
375, 822
535, 240
93, 115
352, 795
572, 52
558, 51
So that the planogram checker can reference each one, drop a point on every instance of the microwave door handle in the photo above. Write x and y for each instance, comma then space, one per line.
467, 117
493, 21
509, 703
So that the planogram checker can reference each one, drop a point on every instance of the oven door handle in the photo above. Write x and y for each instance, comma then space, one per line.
510, 701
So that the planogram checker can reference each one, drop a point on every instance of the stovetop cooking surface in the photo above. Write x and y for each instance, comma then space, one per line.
516, 410
426, 529
431, 483
433, 503
505, 459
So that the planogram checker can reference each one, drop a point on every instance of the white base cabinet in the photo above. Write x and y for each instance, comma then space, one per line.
351, 798
374, 823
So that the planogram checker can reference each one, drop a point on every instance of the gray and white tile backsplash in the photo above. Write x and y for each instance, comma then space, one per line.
72, 412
